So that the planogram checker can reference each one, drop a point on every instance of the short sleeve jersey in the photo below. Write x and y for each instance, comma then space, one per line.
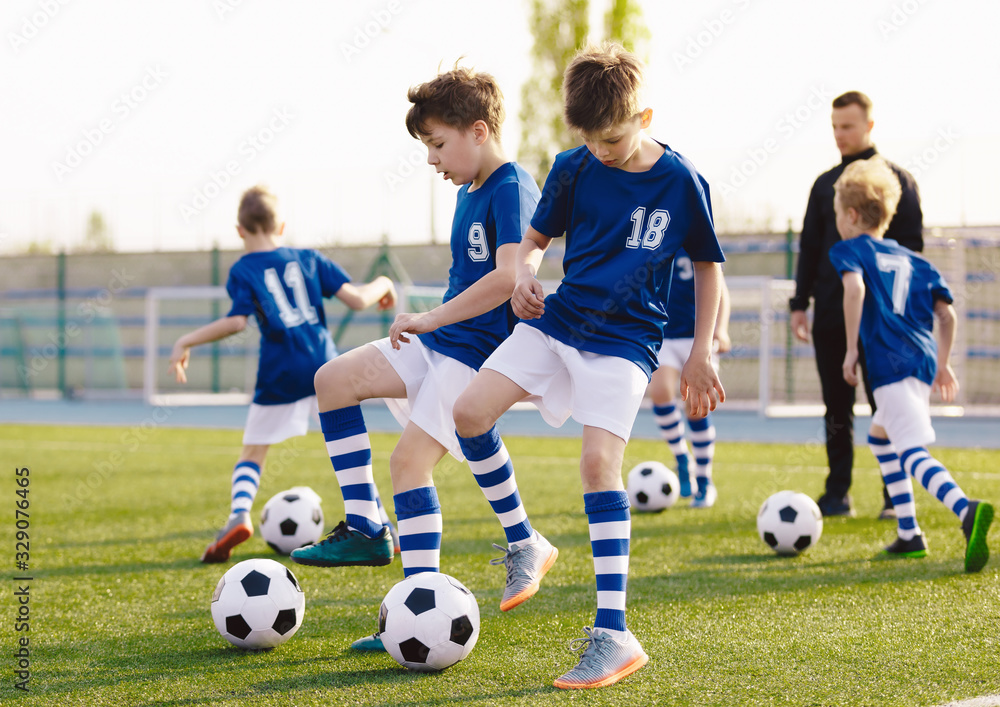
496, 214
680, 301
623, 230
897, 320
283, 290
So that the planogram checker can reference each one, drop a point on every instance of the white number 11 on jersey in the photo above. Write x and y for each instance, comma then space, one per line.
303, 311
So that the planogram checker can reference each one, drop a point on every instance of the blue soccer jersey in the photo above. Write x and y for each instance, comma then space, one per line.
284, 290
897, 320
623, 230
494, 215
680, 302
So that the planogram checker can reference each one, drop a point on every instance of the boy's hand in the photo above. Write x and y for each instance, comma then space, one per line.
722, 342
179, 358
528, 298
410, 323
851, 368
389, 299
700, 387
946, 382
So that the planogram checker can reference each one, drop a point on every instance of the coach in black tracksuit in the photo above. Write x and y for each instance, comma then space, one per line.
816, 278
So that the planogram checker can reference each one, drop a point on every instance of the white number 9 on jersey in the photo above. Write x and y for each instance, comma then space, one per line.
479, 250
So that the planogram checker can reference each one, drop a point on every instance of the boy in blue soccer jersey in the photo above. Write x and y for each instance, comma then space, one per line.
626, 204
677, 340
283, 288
429, 358
891, 296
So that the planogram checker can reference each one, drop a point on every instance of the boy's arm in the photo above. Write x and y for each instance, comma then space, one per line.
219, 329
379, 290
945, 379
489, 292
528, 298
854, 299
721, 337
700, 384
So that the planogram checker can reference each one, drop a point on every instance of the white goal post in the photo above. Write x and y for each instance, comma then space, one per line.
152, 362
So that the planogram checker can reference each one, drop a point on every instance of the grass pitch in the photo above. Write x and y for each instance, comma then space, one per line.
119, 603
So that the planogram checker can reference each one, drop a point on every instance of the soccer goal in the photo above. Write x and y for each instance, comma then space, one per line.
222, 373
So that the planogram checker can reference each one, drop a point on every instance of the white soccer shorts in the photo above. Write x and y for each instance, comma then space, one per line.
903, 409
597, 390
271, 424
433, 383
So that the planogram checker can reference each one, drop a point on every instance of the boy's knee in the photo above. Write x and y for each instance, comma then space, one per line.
468, 417
322, 378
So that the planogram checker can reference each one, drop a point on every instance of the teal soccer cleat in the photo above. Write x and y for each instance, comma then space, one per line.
343, 547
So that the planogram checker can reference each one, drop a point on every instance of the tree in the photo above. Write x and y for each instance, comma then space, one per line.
623, 24
560, 27
97, 238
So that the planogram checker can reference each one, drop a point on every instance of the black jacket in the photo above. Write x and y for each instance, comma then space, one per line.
815, 276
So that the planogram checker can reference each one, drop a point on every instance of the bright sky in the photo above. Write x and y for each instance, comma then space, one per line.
159, 114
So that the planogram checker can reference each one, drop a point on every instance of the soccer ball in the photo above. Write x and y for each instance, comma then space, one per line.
258, 604
429, 621
789, 522
292, 519
652, 487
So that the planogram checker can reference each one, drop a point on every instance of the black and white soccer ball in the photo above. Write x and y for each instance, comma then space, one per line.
258, 604
429, 621
789, 522
292, 519
652, 487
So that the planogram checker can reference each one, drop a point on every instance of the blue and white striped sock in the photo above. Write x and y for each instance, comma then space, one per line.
245, 482
703, 442
610, 526
935, 478
898, 485
350, 453
492, 468
669, 420
418, 513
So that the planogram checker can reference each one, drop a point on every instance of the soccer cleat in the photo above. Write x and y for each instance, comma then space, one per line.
683, 476
369, 643
526, 565
706, 494
833, 506
238, 529
975, 525
343, 547
603, 660
914, 547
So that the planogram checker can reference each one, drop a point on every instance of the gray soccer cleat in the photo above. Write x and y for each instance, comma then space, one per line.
238, 529
603, 660
526, 565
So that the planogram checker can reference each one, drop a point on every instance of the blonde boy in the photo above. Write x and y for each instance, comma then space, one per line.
891, 297
283, 288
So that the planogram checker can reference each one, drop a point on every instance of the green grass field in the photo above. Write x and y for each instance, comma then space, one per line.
119, 603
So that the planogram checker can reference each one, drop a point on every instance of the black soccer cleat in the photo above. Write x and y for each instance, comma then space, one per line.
975, 526
914, 547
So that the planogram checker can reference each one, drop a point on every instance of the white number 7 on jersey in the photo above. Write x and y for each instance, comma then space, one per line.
901, 269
